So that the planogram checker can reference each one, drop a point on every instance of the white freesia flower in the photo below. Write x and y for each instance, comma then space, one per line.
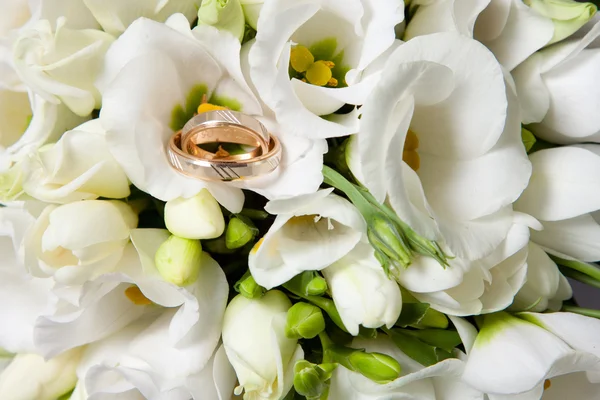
115, 15
23, 298
557, 88
512, 29
112, 365
564, 194
437, 382
443, 104
255, 343
60, 64
79, 241
186, 320
310, 232
142, 110
545, 287
29, 376
346, 35
362, 292
553, 356
78, 167
472, 287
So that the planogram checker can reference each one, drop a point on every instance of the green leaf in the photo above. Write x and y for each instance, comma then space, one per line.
440, 338
411, 314
423, 353
588, 269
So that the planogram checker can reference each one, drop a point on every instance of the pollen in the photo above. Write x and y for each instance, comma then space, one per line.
135, 295
410, 155
301, 58
317, 73
205, 106
547, 384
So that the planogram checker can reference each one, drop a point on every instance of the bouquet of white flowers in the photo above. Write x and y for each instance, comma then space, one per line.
298, 199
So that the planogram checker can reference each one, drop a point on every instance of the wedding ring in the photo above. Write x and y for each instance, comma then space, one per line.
224, 126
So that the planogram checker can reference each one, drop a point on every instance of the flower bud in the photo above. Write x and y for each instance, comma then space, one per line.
29, 376
304, 321
380, 368
567, 15
310, 380
225, 15
248, 287
388, 240
178, 260
198, 217
239, 233
11, 183
317, 286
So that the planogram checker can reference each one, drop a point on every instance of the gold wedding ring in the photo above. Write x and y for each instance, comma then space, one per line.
224, 126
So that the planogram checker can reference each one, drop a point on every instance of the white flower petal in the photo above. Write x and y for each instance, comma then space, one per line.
577, 237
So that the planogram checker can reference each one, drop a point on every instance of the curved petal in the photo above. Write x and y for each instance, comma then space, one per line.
564, 184
445, 16
577, 237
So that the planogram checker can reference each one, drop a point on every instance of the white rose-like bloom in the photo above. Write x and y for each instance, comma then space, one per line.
78, 167
564, 195
552, 356
511, 29
60, 64
255, 343
437, 382
545, 287
150, 91
361, 291
558, 90
473, 287
180, 326
443, 107
310, 232
79, 241
112, 365
351, 34
24, 298
29, 376
115, 15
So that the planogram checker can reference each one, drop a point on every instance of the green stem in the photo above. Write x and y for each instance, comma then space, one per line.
335, 179
583, 278
254, 214
588, 312
585, 268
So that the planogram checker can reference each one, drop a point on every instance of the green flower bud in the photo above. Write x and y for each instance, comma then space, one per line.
317, 286
311, 380
528, 139
304, 321
178, 260
425, 247
239, 233
225, 15
380, 368
248, 287
388, 241
567, 15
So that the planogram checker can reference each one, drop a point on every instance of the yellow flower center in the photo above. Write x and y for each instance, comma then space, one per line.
410, 154
135, 295
205, 106
314, 72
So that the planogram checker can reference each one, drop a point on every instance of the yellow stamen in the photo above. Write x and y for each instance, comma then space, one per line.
410, 154
547, 384
135, 295
332, 82
328, 64
301, 58
303, 219
257, 245
204, 107
318, 73
411, 142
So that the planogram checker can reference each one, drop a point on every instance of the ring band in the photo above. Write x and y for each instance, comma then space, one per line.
223, 133
212, 170
224, 126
